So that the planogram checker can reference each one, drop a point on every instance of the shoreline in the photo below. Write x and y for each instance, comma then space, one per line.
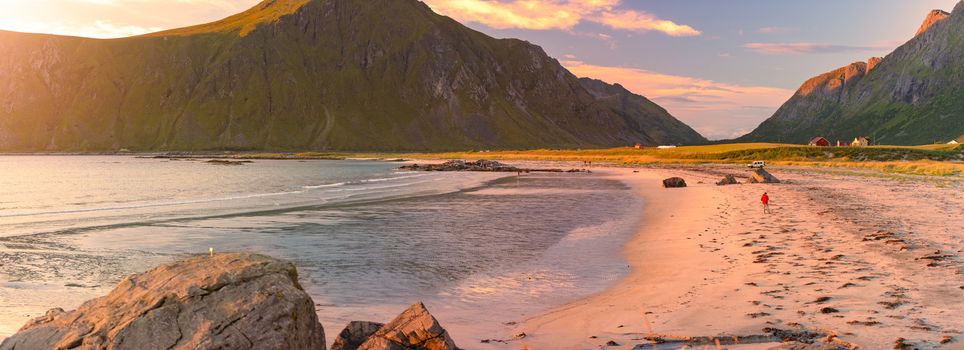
605, 315
704, 262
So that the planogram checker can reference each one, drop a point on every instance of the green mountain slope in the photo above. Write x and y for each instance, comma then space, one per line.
378, 75
915, 95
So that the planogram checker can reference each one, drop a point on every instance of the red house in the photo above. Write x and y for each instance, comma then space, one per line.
819, 142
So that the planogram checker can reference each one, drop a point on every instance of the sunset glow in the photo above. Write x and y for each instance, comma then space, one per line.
731, 108
555, 14
495, 174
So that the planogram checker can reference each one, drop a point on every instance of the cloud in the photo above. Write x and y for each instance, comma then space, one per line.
809, 48
556, 14
717, 110
126, 17
641, 21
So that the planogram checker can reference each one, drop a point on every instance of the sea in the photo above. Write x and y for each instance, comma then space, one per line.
483, 251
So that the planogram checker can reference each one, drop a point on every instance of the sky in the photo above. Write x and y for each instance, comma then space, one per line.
721, 66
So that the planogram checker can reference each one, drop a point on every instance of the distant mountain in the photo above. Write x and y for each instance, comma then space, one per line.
367, 75
915, 95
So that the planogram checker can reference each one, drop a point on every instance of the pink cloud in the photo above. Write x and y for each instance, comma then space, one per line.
810, 48
715, 109
556, 14
641, 21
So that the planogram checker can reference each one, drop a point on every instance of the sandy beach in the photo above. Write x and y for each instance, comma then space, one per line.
864, 258
858, 259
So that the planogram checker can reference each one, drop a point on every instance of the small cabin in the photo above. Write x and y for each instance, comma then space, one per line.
860, 141
637, 146
819, 142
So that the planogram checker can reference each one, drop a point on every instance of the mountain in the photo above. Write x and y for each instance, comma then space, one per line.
662, 126
361, 75
915, 95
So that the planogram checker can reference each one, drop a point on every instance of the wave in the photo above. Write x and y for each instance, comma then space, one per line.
311, 197
390, 178
339, 184
314, 187
149, 205
218, 199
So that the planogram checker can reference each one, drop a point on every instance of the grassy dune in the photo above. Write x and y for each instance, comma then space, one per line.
939, 160
936, 160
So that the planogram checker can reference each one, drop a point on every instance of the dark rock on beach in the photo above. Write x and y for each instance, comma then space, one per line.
728, 180
225, 301
674, 182
762, 176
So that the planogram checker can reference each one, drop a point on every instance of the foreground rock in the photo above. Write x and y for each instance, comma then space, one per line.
728, 180
414, 329
480, 165
762, 177
226, 301
674, 182
356, 333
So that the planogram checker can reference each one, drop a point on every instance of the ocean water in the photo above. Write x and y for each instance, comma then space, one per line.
481, 250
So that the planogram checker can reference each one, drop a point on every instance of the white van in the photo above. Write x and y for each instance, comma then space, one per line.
759, 164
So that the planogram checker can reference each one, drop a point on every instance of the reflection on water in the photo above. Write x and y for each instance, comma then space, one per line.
367, 240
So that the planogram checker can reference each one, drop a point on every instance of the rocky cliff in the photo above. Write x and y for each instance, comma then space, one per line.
914, 95
380, 75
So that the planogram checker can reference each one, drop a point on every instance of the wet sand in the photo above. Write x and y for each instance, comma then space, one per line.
868, 259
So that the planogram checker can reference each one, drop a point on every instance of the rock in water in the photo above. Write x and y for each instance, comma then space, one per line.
415, 328
461, 165
674, 182
762, 177
354, 334
228, 301
728, 180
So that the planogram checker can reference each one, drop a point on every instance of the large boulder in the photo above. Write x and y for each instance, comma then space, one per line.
674, 182
354, 334
762, 176
224, 301
413, 329
728, 180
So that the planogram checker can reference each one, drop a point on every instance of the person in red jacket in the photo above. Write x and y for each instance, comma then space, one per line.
766, 203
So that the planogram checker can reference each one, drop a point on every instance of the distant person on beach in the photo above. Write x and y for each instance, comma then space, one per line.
766, 203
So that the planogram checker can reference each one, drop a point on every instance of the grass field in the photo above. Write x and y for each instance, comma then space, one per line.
936, 160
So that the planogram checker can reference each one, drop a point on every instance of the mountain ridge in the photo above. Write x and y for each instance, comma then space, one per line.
378, 75
911, 96
262, 13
